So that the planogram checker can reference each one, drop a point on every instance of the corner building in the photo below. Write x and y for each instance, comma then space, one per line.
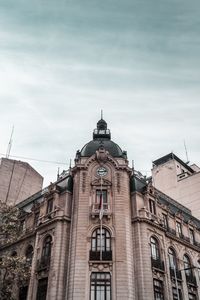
103, 232
101, 170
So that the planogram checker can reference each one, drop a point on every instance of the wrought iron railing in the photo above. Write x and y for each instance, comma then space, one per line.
104, 255
158, 264
43, 263
190, 278
175, 273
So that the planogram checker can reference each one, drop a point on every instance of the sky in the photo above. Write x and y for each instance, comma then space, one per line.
63, 61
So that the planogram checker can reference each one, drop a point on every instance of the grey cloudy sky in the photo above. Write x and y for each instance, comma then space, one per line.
61, 62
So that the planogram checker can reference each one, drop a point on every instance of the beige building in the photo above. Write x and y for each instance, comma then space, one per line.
101, 232
18, 181
178, 180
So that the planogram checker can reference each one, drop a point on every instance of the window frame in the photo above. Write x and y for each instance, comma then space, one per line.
46, 250
104, 193
152, 206
100, 285
155, 248
179, 231
191, 236
187, 265
158, 289
49, 206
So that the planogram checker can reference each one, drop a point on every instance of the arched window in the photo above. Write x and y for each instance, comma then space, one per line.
155, 252
173, 267
187, 265
198, 265
172, 259
29, 254
101, 245
46, 251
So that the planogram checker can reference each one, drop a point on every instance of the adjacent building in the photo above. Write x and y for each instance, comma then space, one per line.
18, 181
178, 180
101, 231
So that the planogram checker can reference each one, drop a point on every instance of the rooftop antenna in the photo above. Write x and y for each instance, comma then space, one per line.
186, 153
132, 165
58, 173
101, 114
10, 143
70, 164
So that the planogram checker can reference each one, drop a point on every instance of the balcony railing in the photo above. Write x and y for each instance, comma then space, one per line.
95, 209
43, 263
178, 273
105, 255
190, 278
196, 243
171, 230
182, 236
158, 264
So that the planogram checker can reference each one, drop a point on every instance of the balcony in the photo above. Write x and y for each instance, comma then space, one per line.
196, 243
171, 230
95, 210
43, 264
190, 278
180, 235
158, 264
106, 255
178, 274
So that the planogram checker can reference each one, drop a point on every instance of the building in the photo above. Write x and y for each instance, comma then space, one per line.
18, 181
101, 231
178, 180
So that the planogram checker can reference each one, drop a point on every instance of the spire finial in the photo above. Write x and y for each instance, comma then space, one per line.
101, 114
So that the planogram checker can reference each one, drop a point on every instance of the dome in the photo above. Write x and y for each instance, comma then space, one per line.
90, 148
102, 139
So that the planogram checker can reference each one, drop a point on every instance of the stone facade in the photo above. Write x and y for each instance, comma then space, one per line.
102, 232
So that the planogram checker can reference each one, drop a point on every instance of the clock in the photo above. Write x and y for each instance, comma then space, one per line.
102, 171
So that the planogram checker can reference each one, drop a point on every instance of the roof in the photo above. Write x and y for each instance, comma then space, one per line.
64, 184
137, 184
171, 156
176, 207
90, 148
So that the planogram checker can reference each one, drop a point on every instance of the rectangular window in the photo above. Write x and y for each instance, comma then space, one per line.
152, 206
36, 218
49, 206
23, 225
165, 221
100, 286
178, 229
192, 296
23, 291
42, 289
191, 234
158, 289
176, 293
103, 194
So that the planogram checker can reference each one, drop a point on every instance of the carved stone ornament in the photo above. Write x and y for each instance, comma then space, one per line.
102, 155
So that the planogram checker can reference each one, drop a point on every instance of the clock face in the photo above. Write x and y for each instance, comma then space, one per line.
102, 171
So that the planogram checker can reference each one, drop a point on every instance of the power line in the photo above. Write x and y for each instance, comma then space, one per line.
35, 159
